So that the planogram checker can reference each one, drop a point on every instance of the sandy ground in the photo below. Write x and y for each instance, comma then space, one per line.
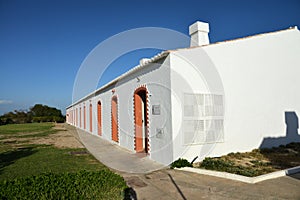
64, 138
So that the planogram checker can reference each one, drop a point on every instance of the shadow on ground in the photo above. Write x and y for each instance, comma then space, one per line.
10, 157
130, 194
177, 187
296, 176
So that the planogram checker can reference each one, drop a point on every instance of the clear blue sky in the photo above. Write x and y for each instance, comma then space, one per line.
44, 42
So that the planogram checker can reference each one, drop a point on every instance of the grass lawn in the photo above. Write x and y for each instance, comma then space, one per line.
25, 128
256, 162
73, 172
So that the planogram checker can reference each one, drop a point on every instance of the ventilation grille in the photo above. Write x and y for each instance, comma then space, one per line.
203, 118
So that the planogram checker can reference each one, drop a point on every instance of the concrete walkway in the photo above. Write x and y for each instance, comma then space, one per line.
174, 184
116, 157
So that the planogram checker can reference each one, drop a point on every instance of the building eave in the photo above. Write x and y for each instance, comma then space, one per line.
166, 53
129, 72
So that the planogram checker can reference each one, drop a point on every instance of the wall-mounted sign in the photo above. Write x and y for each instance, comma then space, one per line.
159, 133
155, 109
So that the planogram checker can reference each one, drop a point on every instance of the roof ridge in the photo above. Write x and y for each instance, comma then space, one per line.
165, 53
237, 39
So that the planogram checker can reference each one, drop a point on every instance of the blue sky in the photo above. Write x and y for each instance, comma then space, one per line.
43, 42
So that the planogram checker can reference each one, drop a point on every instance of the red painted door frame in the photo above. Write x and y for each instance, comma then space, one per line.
141, 143
91, 118
84, 117
114, 119
80, 117
99, 113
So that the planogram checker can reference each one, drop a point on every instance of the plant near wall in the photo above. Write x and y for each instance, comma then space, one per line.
223, 165
180, 163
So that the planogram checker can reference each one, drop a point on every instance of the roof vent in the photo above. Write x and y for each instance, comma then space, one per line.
144, 61
199, 33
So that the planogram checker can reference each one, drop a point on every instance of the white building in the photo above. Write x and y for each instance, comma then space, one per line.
205, 100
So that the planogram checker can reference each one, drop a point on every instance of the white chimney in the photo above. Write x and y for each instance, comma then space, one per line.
199, 34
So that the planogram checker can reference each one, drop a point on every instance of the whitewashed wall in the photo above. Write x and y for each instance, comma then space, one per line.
156, 78
257, 77
261, 82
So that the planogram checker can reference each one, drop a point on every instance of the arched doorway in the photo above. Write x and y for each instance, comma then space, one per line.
91, 118
76, 117
99, 120
141, 120
84, 117
114, 119
80, 117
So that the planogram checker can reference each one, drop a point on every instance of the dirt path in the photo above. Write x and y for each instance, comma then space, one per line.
64, 138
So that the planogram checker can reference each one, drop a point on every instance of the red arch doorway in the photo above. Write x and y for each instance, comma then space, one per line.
84, 117
91, 117
99, 115
114, 119
141, 120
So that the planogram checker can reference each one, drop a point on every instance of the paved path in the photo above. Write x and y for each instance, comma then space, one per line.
116, 157
173, 184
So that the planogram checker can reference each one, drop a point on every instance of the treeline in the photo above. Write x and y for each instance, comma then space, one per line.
37, 113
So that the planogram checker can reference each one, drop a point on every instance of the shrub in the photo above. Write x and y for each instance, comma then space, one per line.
228, 166
181, 163
258, 163
216, 164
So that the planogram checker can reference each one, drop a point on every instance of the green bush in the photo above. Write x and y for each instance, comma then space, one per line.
181, 163
102, 184
228, 166
258, 163
216, 164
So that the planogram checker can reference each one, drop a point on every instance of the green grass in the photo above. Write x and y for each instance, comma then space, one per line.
38, 134
31, 130
25, 128
43, 171
34, 159
81, 185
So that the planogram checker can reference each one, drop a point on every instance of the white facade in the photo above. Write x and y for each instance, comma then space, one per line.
206, 101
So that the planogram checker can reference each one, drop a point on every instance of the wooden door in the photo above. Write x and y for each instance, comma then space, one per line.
138, 123
99, 113
114, 119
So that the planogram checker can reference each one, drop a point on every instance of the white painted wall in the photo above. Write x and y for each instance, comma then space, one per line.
257, 76
260, 78
156, 78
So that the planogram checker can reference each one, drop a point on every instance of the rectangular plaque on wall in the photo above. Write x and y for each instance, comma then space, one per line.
155, 109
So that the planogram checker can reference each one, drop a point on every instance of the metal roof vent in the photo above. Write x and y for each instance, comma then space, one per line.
199, 34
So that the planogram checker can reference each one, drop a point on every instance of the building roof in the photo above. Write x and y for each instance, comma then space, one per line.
239, 39
131, 71
165, 54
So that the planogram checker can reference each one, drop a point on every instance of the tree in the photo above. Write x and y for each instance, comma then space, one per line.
37, 113
43, 113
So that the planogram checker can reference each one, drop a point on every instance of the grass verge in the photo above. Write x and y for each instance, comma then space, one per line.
37, 159
25, 128
102, 184
29, 170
